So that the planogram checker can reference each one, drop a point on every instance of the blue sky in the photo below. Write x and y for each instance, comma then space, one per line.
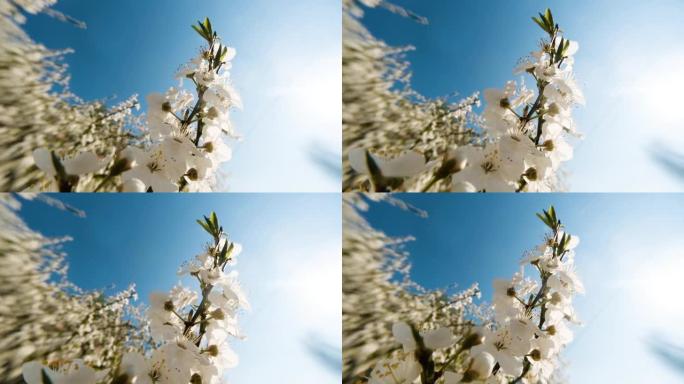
287, 70
630, 65
290, 266
630, 259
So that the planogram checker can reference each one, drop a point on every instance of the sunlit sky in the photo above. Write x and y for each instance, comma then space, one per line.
290, 266
287, 70
630, 65
630, 258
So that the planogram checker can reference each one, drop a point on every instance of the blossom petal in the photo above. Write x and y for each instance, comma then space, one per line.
404, 335
43, 160
85, 162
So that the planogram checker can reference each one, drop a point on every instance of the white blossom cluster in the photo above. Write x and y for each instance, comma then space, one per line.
520, 146
190, 331
53, 141
45, 318
377, 292
517, 339
186, 132
381, 112
37, 110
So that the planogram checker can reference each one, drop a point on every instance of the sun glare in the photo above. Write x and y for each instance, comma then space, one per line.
657, 286
659, 90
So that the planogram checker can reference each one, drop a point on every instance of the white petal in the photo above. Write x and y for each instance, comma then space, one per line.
452, 377
357, 160
438, 338
463, 186
482, 364
43, 159
85, 162
573, 47
230, 54
134, 185
31, 372
403, 334
510, 365
409, 164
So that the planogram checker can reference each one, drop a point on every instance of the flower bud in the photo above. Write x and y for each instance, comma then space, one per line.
192, 174
535, 355
504, 103
548, 145
553, 109
218, 314
196, 379
510, 292
212, 113
551, 330
208, 146
480, 368
168, 305
531, 174
212, 350
166, 106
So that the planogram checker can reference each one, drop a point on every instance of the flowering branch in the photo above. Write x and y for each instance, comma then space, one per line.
90, 148
521, 145
190, 340
521, 342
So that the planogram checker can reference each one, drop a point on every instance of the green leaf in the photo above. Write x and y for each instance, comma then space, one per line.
566, 45
214, 220
559, 50
222, 253
544, 219
562, 243
549, 18
567, 241
205, 226
552, 213
210, 225
217, 57
199, 31
545, 21
207, 25
540, 23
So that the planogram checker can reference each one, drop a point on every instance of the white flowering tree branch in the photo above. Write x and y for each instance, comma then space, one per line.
518, 338
377, 291
44, 317
54, 141
86, 338
518, 143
